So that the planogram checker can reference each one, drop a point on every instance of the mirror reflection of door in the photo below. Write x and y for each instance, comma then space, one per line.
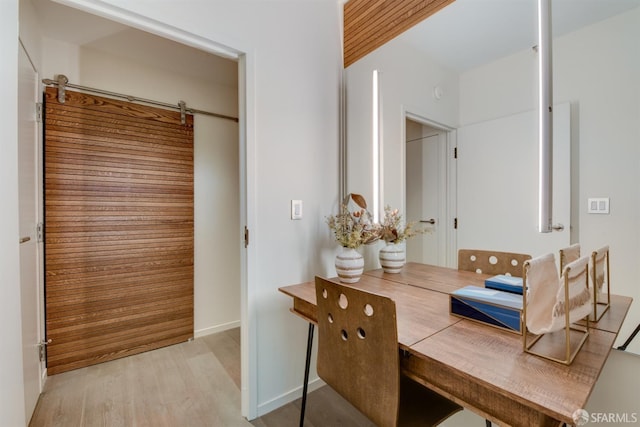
426, 191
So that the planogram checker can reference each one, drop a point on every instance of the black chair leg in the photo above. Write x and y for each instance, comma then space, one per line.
487, 423
306, 373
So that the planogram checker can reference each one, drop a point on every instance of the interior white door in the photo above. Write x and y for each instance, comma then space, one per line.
28, 209
426, 192
498, 184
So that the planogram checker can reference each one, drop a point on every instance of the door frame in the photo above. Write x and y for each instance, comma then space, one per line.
39, 274
448, 188
246, 107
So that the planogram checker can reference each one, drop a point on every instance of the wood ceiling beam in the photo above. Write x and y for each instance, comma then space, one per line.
368, 24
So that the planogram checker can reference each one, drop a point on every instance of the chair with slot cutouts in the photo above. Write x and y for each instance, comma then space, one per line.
358, 356
492, 262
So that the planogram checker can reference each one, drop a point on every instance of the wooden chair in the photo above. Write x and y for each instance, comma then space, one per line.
358, 356
491, 262
569, 254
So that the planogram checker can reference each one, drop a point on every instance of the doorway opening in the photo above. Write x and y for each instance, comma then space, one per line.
430, 190
129, 25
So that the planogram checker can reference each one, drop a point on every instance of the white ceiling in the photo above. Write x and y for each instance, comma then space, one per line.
468, 33
463, 35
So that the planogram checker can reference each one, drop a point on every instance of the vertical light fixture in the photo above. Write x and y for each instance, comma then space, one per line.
375, 149
545, 118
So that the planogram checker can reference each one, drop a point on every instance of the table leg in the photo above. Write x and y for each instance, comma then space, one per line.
306, 373
631, 337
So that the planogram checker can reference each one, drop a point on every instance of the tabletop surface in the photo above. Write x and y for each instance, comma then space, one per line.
453, 353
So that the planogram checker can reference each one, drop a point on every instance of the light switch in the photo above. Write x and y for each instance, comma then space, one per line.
296, 209
598, 205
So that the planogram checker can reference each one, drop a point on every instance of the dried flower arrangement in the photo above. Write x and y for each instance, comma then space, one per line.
353, 228
392, 230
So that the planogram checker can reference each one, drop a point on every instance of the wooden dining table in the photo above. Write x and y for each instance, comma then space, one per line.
481, 367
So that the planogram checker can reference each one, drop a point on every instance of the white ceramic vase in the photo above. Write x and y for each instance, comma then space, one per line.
349, 265
393, 257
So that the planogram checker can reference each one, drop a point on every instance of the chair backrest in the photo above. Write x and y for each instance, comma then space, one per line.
492, 262
569, 254
358, 349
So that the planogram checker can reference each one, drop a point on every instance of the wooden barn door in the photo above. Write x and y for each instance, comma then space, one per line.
118, 229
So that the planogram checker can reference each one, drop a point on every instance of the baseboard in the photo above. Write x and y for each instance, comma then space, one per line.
288, 397
215, 329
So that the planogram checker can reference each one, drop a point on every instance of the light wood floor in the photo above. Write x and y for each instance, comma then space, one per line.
191, 384
197, 384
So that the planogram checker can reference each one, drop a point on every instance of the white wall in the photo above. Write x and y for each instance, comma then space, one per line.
12, 389
597, 69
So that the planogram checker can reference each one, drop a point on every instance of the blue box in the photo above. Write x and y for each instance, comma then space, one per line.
490, 306
505, 283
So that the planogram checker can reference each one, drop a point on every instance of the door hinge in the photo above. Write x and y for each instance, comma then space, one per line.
455, 223
455, 152
42, 350
40, 232
39, 112
246, 236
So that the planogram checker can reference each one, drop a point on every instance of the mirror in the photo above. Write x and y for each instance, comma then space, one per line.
470, 70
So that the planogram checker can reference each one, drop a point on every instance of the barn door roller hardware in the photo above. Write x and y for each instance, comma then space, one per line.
63, 82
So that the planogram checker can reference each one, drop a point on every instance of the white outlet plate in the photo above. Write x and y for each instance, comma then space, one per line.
598, 205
